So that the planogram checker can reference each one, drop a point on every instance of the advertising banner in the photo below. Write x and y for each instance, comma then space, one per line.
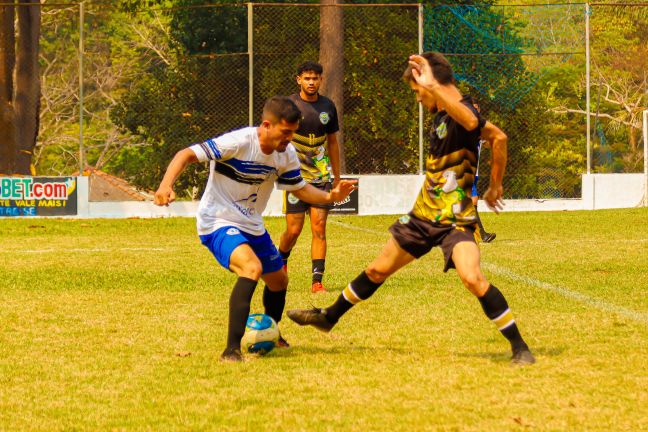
38, 196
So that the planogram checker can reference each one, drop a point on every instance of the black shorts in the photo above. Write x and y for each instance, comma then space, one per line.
417, 237
292, 204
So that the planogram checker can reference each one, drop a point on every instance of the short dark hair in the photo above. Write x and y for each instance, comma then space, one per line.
279, 108
472, 101
310, 66
441, 68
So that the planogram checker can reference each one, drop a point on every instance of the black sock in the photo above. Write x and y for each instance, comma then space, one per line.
361, 288
284, 256
239, 309
274, 303
318, 269
482, 231
497, 310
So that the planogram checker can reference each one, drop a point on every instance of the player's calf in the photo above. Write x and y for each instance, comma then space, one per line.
497, 310
239, 309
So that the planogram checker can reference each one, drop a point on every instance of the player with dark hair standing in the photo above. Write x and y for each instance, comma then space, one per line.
318, 151
443, 214
244, 166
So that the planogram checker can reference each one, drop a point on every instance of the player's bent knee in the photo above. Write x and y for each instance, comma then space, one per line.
320, 235
293, 234
376, 274
281, 284
250, 270
475, 282
319, 226
288, 240
278, 288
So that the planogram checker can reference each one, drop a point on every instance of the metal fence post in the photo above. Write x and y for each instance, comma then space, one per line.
420, 106
645, 144
250, 41
81, 49
588, 12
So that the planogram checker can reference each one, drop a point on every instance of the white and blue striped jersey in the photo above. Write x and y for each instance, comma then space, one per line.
241, 179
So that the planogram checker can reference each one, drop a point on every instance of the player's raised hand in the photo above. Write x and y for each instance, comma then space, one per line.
343, 189
422, 72
493, 198
164, 196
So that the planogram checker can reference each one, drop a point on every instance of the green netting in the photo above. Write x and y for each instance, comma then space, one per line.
503, 51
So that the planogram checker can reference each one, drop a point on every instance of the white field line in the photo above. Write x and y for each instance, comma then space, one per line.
564, 242
565, 292
355, 228
80, 250
508, 241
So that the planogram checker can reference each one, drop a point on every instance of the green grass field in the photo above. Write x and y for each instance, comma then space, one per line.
119, 324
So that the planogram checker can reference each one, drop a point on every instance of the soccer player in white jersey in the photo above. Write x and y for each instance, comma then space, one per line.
244, 167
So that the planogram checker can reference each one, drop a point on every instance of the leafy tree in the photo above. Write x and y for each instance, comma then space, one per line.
114, 43
172, 104
619, 87
204, 93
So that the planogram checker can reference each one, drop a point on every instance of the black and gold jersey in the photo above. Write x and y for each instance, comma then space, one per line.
450, 171
319, 119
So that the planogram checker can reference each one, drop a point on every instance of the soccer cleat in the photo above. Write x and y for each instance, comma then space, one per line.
488, 237
317, 287
282, 343
522, 357
313, 317
232, 355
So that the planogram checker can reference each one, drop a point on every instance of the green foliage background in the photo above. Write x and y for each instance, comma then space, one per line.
162, 74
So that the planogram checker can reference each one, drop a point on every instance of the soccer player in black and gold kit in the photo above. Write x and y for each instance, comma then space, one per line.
443, 214
318, 151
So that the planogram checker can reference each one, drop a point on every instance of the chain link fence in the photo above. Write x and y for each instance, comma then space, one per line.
156, 80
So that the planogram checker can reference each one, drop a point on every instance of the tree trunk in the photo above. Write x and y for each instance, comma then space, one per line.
27, 104
7, 60
332, 60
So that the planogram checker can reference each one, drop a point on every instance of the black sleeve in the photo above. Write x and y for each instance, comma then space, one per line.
481, 121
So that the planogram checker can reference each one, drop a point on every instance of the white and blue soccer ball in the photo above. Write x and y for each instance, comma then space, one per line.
261, 334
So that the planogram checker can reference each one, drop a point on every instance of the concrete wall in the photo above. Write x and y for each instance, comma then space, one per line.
384, 194
603, 191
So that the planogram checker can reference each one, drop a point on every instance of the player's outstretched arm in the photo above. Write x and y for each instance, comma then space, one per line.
165, 194
313, 195
498, 141
448, 95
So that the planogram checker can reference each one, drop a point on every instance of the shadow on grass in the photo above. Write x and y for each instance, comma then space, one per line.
308, 350
505, 356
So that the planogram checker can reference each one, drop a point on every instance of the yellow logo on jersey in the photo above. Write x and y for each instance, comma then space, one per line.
324, 117
442, 130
